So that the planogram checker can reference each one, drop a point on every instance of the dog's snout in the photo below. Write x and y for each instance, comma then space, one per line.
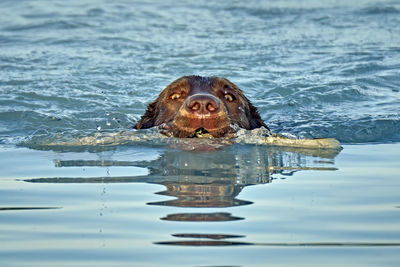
202, 104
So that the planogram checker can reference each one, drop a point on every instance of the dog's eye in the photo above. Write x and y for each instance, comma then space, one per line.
229, 97
175, 96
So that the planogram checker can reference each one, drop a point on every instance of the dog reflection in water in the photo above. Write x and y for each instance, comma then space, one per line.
196, 181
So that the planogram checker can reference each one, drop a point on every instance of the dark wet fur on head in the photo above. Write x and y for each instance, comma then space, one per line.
211, 104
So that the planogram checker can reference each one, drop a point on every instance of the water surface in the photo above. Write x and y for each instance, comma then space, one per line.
76, 69
153, 206
314, 69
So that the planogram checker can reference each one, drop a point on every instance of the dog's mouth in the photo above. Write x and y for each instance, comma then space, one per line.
201, 133
201, 121
190, 127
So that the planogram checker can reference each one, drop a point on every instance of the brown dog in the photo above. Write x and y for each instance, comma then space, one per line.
194, 104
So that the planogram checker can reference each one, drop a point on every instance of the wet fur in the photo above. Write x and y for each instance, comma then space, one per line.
170, 113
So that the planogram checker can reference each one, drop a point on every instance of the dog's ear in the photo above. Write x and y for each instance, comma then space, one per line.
156, 111
255, 118
149, 117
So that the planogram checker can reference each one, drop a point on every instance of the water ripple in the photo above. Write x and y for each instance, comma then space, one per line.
321, 69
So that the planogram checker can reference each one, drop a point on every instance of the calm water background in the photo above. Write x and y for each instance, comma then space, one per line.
70, 69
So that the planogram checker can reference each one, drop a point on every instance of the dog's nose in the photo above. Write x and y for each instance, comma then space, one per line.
202, 104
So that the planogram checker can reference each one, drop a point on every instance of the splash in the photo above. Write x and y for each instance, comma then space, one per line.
262, 136
259, 136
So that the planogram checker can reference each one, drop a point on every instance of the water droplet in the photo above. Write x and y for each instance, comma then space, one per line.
98, 128
108, 123
53, 118
107, 113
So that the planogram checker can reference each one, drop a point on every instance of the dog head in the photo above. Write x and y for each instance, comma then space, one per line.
207, 104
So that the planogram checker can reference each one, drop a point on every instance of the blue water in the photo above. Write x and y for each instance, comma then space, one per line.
76, 69
314, 69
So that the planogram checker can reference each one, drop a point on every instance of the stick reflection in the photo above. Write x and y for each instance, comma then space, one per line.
212, 179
